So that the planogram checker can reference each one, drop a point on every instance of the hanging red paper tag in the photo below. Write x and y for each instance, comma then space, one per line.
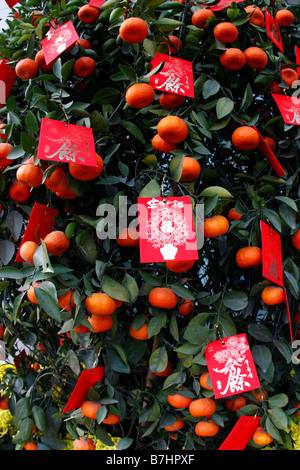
223, 4
166, 229
7, 80
66, 143
241, 433
176, 75
57, 40
40, 223
271, 254
11, 3
297, 53
96, 3
231, 366
87, 379
289, 315
273, 30
266, 150
289, 107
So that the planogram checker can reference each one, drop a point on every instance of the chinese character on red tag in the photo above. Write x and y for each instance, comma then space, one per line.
231, 366
7, 80
273, 30
40, 223
223, 4
176, 75
66, 143
266, 150
88, 379
57, 40
289, 107
96, 3
271, 254
241, 433
166, 229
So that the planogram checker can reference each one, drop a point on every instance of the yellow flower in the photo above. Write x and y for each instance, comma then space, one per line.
294, 430
5, 422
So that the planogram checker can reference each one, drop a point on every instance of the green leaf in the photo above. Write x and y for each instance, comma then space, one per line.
134, 130
278, 418
156, 323
182, 291
224, 107
66, 69
7, 251
210, 88
158, 360
39, 417
131, 286
260, 332
176, 167
278, 401
107, 95
235, 300
288, 201
196, 332
57, 67
247, 98
114, 289
167, 24
124, 443
152, 189
262, 356
219, 190
48, 302
31, 122
28, 142
273, 218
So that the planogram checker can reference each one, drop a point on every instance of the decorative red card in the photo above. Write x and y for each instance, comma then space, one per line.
289, 107
297, 53
57, 40
40, 223
231, 366
273, 30
223, 4
8, 77
12, 3
241, 433
63, 142
271, 254
166, 229
176, 75
266, 150
87, 379
96, 3
289, 315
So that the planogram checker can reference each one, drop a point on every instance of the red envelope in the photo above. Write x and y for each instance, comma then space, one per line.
289, 107
8, 77
223, 4
241, 433
231, 366
175, 77
266, 150
166, 229
96, 3
64, 142
297, 53
57, 40
271, 254
41, 222
273, 30
11, 3
87, 379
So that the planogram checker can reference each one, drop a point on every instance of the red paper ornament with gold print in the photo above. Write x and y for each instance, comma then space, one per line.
273, 30
63, 142
289, 107
57, 40
176, 75
166, 229
271, 254
231, 366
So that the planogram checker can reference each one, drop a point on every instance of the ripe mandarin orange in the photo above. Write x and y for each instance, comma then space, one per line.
41, 62
90, 408
100, 323
173, 45
19, 191
171, 100
234, 404
128, 237
163, 297
296, 239
200, 17
284, 17
30, 174
26, 69
256, 57
179, 266
111, 418
140, 333
262, 437
31, 294
233, 214
289, 75
226, 32
168, 370
256, 15
249, 257
66, 301
202, 407
206, 428
86, 172
84, 443
173, 129
27, 251
203, 381
190, 169
56, 242
84, 67
30, 446
161, 145
245, 138
88, 14
233, 58
215, 226
5, 149
133, 30
179, 401
186, 306
57, 180
273, 295
85, 43
179, 423
139, 95
100, 303
274, 87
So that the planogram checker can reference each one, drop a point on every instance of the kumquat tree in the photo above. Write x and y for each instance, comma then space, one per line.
149, 225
